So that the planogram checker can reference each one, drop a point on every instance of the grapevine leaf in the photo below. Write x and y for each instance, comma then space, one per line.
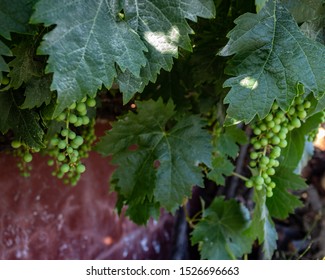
305, 10
23, 65
4, 51
282, 203
262, 226
227, 143
220, 231
221, 167
271, 56
14, 17
157, 157
37, 92
95, 42
292, 154
24, 123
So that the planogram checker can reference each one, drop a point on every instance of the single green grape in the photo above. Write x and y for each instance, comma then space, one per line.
15, 144
28, 157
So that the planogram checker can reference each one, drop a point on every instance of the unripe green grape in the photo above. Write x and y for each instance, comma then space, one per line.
264, 160
272, 185
277, 120
61, 117
263, 127
70, 150
74, 159
257, 145
276, 152
283, 143
269, 134
54, 141
254, 155
264, 175
299, 100
270, 171
270, 124
284, 130
291, 111
78, 122
249, 183
91, 102
73, 118
64, 168
81, 107
302, 115
61, 157
276, 163
50, 162
296, 122
28, 157
301, 107
280, 115
252, 164
259, 187
282, 135
267, 180
253, 140
275, 140
73, 106
269, 194
72, 135
80, 168
275, 106
64, 132
85, 120
307, 104
62, 144
78, 140
259, 180
276, 128
264, 142
15, 144
269, 117
257, 131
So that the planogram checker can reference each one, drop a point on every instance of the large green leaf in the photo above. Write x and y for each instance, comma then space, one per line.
4, 51
95, 41
24, 123
262, 226
220, 231
271, 56
158, 158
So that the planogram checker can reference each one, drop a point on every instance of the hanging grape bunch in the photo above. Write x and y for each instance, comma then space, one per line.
269, 138
72, 143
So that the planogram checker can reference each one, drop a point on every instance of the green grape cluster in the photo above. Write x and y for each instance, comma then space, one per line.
269, 139
73, 142
25, 154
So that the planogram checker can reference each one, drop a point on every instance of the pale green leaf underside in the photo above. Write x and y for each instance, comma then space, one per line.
262, 226
271, 57
93, 43
163, 164
220, 232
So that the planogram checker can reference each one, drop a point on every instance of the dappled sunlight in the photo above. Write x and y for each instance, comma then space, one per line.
165, 43
249, 82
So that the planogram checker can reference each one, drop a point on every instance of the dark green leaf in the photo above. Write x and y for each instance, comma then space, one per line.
23, 67
14, 17
262, 226
37, 92
24, 123
271, 57
220, 232
4, 51
305, 10
158, 158
221, 167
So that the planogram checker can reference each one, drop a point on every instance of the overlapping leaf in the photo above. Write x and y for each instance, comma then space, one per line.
24, 123
271, 57
14, 17
158, 158
95, 42
220, 232
262, 226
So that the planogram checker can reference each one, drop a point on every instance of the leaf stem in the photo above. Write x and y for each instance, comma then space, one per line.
239, 176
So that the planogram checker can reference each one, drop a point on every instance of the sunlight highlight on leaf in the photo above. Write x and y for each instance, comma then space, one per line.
249, 83
162, 42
